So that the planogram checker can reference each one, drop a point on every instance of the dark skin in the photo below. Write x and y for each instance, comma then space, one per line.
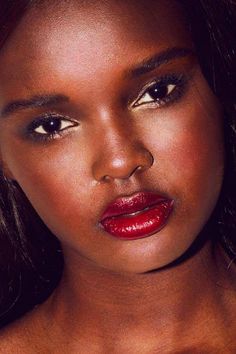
117, 296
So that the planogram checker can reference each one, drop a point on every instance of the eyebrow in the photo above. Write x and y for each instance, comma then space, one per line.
144, 67
159, 59
33, 102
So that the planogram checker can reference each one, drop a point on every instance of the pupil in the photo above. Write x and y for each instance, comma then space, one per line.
52, 126
158, 92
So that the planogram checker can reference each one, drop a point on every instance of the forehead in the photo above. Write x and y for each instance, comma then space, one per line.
89, 36
93, 24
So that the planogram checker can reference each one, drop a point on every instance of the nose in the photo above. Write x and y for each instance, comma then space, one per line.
121, 158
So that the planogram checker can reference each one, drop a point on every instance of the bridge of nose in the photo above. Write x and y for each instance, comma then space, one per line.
120, 151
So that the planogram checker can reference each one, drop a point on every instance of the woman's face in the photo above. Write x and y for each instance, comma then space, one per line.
105, 100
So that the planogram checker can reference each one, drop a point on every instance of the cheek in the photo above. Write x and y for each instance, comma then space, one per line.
56, 180
196, 161
189, 153
195, 154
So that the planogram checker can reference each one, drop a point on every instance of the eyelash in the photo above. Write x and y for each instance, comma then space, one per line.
40, 122
176, 84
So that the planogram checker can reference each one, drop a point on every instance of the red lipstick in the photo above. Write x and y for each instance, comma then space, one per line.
137, 216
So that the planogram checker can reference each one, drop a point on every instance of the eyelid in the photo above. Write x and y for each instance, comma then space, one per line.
49, 115
143, 90
68, 124
178, 79
30, 134
44, 117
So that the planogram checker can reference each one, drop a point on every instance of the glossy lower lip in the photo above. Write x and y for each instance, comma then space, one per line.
137, 217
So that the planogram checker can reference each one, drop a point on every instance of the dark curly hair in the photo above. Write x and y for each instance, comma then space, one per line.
31, 260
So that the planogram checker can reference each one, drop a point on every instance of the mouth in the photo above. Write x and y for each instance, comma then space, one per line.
137, 216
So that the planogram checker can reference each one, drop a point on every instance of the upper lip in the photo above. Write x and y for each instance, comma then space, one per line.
132, 204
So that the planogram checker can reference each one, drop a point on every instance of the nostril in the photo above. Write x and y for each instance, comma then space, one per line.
106, 178
122, 164
139, 169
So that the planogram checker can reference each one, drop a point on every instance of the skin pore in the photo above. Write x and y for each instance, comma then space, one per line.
95, 64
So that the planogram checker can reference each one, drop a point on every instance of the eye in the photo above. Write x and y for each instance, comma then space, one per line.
156, 92
161, 92
52, 125
49, 127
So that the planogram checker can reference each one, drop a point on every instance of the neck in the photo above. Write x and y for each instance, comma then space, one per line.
172, 298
